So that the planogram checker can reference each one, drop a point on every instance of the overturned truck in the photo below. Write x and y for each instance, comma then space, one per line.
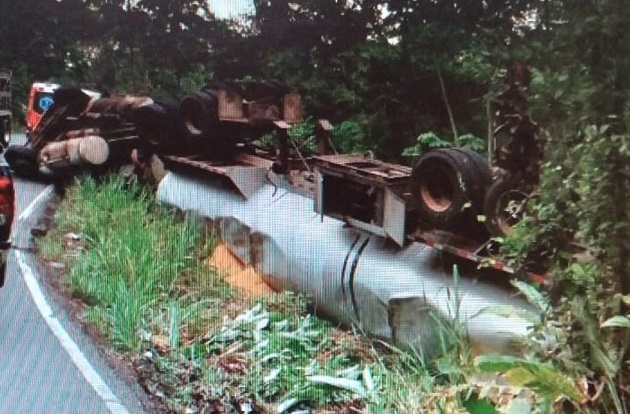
214, 132
379, 225
440, 201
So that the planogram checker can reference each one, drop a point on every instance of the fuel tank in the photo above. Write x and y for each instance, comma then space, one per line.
398, 294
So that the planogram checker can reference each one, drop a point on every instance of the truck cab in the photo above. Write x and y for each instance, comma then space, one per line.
40, 98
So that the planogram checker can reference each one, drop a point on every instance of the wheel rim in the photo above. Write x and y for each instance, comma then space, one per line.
511, 208
437, 192
194, 120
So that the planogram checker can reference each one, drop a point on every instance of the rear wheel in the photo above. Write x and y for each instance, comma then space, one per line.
505, 205
444, 180
199, 114
152, 124
22, 160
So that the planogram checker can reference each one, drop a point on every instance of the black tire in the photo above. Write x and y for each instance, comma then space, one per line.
504, 206
477, 169
3, 273
444, 180
152, 124
3, 133
199, 115
22, 160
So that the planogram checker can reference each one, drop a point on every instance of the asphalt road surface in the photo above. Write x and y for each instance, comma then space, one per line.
47, 363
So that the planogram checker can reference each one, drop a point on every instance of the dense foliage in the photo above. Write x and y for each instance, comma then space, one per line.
387, 72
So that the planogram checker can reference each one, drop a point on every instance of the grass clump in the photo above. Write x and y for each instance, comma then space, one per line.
128, 256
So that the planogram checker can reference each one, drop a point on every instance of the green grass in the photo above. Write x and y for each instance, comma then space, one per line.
196, 343
132, 254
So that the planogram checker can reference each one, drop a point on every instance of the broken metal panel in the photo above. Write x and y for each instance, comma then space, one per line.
319, 193
292, 110
247, 179
349, 275
365, 193
394, 215
322, 134
363, 169
257, 102
117, 105
230, 104
263, 111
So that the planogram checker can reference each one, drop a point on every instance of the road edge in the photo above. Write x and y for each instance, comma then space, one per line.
93, 378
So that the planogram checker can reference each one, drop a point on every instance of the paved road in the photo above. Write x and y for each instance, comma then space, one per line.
37, 374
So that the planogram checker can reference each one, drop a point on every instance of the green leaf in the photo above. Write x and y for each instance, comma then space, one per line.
447, 366
617, 322
367, 379
533, 295
476, 405
520, 376
544, 379
343, 383
508, 311
495, 363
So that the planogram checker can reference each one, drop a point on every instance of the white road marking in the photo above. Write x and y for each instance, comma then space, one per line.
31, 207
78, 358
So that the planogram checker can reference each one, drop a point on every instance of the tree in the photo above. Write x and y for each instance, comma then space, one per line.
43, 40
581, 96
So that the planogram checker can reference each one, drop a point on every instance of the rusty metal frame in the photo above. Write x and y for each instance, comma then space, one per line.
386, 183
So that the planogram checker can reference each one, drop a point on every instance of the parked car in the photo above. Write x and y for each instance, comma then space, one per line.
7, 212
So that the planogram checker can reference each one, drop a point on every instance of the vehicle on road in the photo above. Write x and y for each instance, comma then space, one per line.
7, 211
7, 192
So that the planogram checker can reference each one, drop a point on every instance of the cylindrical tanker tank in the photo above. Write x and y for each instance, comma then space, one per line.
354, 277
89, 150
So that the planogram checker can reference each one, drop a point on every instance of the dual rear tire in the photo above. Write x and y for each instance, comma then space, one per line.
504, 206
449, 183
451, 187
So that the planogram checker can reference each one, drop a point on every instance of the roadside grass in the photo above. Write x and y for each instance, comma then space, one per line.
201, 346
